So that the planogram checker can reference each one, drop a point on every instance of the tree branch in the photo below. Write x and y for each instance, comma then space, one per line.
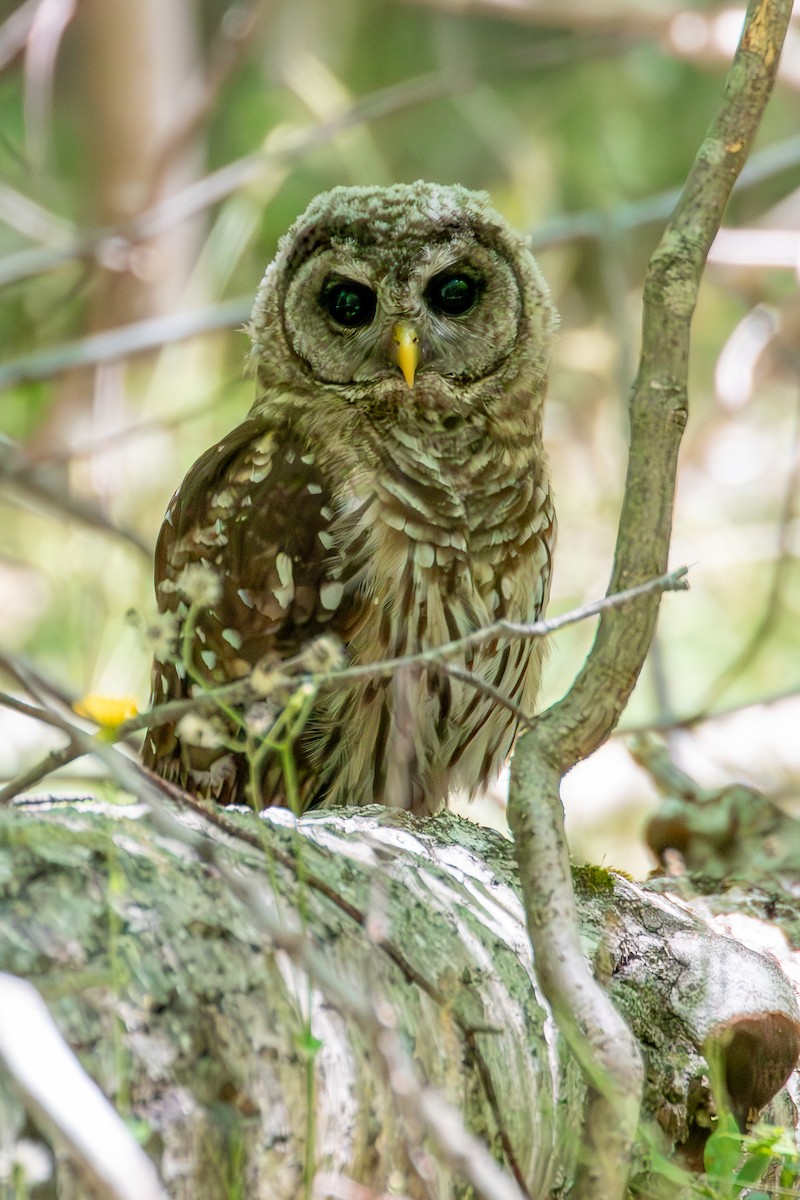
244, 172
241, 692
585, 717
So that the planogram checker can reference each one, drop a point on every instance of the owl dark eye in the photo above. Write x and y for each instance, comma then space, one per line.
348, 303
453, 295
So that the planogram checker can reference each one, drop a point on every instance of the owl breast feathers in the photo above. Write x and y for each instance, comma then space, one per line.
389, 489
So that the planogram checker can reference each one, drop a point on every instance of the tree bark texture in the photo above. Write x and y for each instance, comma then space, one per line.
249, 1079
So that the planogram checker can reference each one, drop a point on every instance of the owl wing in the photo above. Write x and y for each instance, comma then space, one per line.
248, 527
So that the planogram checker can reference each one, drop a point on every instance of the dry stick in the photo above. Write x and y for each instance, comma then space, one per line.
44, 767
138, 337
579, 723
30, 710
594, 224
240, 692
665, 582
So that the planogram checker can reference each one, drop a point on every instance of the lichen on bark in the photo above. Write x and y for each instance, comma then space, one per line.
213, 1035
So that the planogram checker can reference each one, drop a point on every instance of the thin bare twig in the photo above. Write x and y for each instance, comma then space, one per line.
240, 692
125, 341
40, 770
486, 688
672, 581
594, 224
31, 710
35, 684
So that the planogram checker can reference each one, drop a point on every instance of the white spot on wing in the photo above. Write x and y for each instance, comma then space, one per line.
330, 595
394, 520
283, 565
284, 595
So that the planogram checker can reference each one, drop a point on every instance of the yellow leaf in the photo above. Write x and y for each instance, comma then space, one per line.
108, 711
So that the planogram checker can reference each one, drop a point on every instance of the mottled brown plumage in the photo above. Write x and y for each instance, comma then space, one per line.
389, 487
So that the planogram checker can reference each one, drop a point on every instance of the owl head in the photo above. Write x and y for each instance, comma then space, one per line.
400, 297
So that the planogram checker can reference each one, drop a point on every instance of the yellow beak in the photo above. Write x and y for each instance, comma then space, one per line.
406, 349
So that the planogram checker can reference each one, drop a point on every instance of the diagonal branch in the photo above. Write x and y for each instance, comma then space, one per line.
245, 172
585, 717
659, 403
294, 672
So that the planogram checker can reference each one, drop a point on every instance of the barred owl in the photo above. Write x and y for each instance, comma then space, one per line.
389, 488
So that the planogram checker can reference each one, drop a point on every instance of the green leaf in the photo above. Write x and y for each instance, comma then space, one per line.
753, 1167
789, 1175
142, 1130
722, 1153
659, 1165
308, 1045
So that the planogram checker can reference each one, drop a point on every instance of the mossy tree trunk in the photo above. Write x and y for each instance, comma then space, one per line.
248, 1039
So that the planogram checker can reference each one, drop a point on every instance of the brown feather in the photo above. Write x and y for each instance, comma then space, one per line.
393, 517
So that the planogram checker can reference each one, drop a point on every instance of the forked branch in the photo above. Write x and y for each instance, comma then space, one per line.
585, 717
